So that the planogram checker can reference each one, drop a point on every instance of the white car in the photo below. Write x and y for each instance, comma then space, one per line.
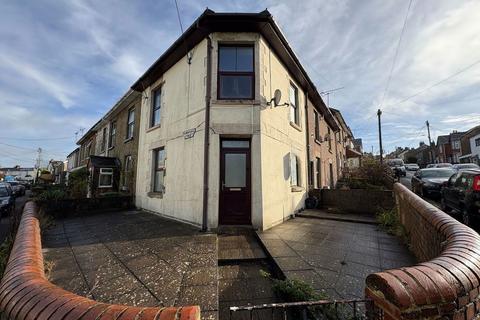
412, 166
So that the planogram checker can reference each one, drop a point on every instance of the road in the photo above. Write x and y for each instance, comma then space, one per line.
5, 221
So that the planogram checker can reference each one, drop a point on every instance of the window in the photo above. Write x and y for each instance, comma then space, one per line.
477, 142
319, 173
329, 139
311, 176
130, 123
127, 170
293, 95
113, 133
317, 125
236, 75
104, 139
156, 104
105, 179
158, 170
294, 170
89, 149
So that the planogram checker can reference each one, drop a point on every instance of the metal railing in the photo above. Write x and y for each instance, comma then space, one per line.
353, 309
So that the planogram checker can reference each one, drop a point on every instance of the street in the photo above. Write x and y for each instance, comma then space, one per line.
5, 221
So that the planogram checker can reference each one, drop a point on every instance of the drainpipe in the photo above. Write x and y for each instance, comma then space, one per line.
206, 143
307, 136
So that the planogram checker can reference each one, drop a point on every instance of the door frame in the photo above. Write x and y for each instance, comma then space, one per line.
248, 177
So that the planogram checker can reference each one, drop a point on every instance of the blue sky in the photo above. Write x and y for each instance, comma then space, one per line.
63, 64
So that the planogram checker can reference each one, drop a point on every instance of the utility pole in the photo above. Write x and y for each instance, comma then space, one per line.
39, 158
429, 142
379, 114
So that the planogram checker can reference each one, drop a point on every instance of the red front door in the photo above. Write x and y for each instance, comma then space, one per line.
235, 180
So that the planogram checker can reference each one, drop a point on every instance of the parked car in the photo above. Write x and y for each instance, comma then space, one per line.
439, 165
397, 165
465, 166
7, 199
462, 193
18, 188
430, 181
411, 166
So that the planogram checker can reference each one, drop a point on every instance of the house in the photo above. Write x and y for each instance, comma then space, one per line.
19, 173
358, 145
346, 155
223, 125
470, 146
58, 171
109, 149
449, 147
73, 160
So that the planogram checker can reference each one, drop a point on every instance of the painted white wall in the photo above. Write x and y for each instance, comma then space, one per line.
475, 150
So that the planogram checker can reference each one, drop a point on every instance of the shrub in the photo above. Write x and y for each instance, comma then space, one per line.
371, 175
52, 195
78, 183
389, 221
5, 248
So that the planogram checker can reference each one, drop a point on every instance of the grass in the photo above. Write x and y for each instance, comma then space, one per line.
389, 221
5, 248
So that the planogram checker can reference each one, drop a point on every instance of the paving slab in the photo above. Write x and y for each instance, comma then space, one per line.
343, 216
334, 256
134, 258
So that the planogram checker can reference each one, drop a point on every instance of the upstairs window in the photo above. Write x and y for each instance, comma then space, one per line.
329, 137
293, 96
156, 104
317, 125
236, 76
113, 134
477, 142
130, 123
104, 140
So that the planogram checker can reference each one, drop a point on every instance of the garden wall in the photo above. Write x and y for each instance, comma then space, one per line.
25, 293
445, 285
355, 200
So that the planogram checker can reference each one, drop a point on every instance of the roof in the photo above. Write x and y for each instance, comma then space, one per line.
456, 135
263, 23
340, 118
104, 162
442, 139
71, 153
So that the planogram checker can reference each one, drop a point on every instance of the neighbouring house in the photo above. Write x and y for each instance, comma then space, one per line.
470, 146
58, 171
109, 149
73, 160
215, 145
449, 147
358, 145
346, 155
322, 164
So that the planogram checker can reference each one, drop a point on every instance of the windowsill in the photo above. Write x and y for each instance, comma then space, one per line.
152, 194
111, 148
153, 128
297, 189
318, 141
236, 102
296, 126
105, 187
128, 140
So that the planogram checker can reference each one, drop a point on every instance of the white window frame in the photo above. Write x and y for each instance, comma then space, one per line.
105, 172
293, 105
294, 170
155, 169
130, 124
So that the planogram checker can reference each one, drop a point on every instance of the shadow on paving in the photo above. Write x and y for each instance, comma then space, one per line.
134, 258
334, 257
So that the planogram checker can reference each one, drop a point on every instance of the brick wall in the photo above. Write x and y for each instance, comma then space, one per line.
25, 293
445, 284
355, 200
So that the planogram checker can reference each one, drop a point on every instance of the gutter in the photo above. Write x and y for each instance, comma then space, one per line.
206, 144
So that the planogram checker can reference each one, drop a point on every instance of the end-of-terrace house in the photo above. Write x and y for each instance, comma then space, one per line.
215, 147
470, 145
347, 156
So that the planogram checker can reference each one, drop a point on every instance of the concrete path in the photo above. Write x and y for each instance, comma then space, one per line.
134, 258
333, 256
322, 214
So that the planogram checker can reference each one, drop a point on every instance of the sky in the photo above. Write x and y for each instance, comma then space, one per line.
63, 64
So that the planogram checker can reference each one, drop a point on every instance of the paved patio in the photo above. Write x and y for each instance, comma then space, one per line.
134, 258
334, 256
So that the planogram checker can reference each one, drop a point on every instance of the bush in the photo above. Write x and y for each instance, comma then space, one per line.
389, 221
78, 183
51, 195
371, 175
5, 248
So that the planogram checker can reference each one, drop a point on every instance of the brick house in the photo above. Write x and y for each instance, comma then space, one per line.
449, 148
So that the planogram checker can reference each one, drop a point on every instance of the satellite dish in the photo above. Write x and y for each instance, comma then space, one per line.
277, 97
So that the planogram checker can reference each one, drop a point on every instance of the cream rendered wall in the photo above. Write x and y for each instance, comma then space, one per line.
183, 106
235, 119
278, 139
